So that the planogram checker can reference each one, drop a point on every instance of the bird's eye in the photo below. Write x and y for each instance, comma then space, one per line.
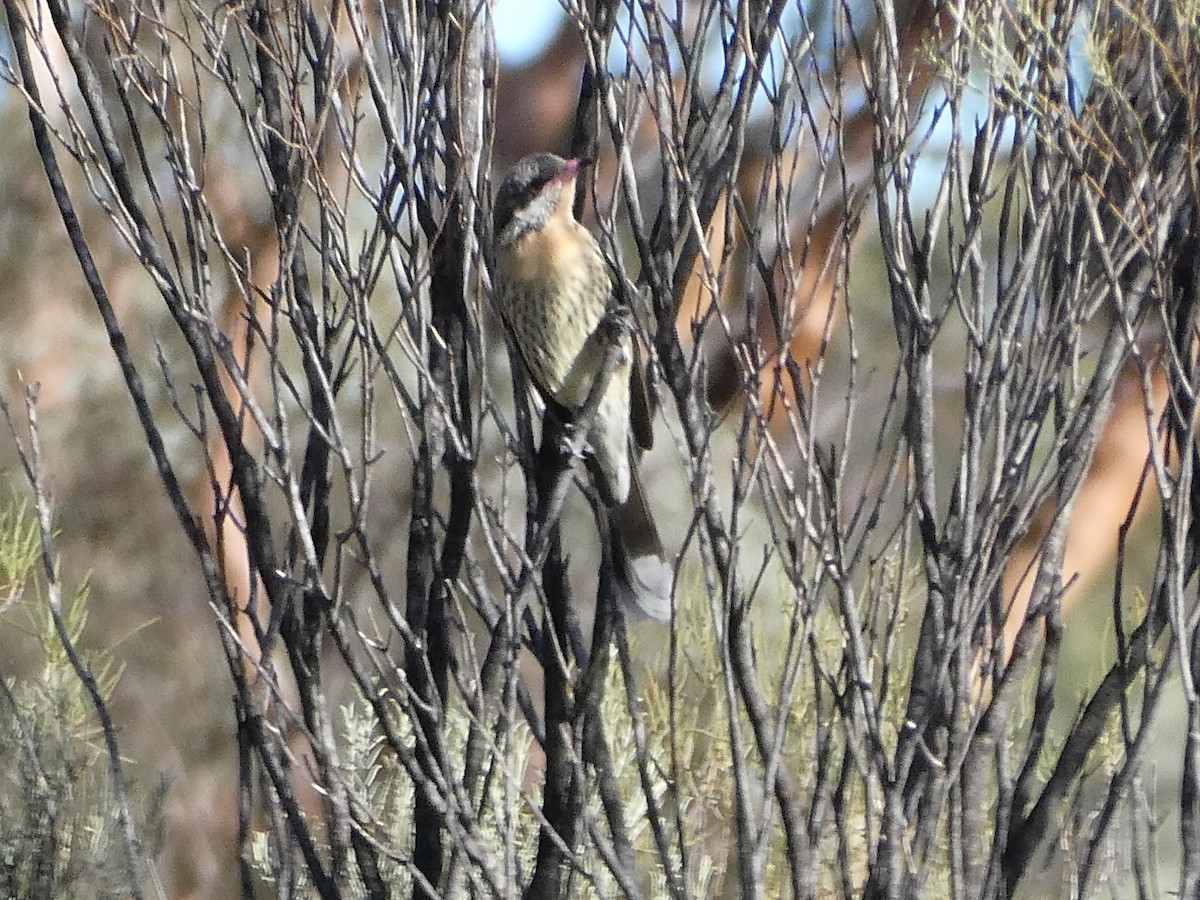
536, 187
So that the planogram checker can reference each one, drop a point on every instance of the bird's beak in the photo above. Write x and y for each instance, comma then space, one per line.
570, 170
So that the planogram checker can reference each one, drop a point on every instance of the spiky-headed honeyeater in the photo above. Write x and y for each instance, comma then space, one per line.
554, 289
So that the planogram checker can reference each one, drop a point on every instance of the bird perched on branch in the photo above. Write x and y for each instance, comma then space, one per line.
555, 293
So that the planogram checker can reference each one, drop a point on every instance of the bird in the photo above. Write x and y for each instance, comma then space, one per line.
554, 291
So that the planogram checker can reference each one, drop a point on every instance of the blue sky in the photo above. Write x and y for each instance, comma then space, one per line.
524, 26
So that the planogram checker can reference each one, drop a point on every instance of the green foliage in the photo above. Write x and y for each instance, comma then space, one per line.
691, 757
59, 834
19, 549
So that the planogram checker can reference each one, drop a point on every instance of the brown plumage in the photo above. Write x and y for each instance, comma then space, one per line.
553, 290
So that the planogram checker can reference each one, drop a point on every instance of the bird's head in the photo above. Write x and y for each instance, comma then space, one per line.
533, 191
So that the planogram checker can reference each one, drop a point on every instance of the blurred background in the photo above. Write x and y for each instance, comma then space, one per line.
118, 534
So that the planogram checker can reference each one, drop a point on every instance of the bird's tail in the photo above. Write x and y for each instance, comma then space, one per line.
644, 575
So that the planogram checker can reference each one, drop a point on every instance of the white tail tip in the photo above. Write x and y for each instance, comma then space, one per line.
649, 589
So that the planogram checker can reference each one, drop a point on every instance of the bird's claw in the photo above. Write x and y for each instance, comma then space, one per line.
617, 324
